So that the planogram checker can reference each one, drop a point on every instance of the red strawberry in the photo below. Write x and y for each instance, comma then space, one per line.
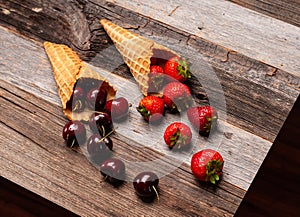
156, 78
207, 165
151, 108
177, 134
203, 118
177, 96
177, 68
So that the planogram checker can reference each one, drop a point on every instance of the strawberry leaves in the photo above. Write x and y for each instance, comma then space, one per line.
213, 168
183, 68
178, 139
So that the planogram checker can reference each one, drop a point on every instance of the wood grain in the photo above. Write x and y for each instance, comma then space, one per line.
285, 10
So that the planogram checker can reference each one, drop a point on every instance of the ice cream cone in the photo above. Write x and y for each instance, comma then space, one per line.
137, 52
68, 68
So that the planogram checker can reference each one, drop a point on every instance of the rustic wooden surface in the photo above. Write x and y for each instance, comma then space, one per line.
234, 147
30, 105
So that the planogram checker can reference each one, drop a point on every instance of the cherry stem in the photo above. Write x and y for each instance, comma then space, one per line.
155, 190
72, 145
102, 139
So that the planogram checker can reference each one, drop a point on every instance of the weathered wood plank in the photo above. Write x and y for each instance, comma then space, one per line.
47, 167
285, 10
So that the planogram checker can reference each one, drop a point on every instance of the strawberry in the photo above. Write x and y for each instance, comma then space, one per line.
203, 118
151, 108
177, 68
178, 134
207, 165
156, 78
177, 96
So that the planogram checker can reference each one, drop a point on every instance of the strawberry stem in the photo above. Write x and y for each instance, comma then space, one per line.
143, 111
177, 139
213, 168
183, 68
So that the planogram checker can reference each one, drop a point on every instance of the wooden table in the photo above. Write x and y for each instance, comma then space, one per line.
254, 56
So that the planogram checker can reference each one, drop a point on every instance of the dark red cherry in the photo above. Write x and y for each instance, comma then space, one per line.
88, 83
74, 133
113, 170
78, 100
118, 108
145, 185
100, 122
96, 99
98, 147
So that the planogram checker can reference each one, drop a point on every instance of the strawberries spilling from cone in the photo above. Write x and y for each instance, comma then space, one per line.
140, 54
161, 72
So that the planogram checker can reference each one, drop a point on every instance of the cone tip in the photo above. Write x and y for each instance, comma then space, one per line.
103, 21
46, 43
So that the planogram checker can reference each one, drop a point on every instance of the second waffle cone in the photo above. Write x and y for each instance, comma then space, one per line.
137, 52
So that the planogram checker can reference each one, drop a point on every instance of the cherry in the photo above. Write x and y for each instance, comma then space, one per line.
88, 83
77, 99
117, 108
101, 122
99, 147
96, 99
113, 170
74, 133
145, 185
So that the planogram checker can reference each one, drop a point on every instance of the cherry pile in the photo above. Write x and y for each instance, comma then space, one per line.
92, 95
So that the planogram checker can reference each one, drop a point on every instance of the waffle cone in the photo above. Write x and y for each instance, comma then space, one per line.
67, 69
137, 52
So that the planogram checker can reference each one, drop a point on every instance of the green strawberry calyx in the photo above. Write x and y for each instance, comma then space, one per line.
177, 139
181, 103
210, 122
144, 112
213, 169
183, 68
156, 81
